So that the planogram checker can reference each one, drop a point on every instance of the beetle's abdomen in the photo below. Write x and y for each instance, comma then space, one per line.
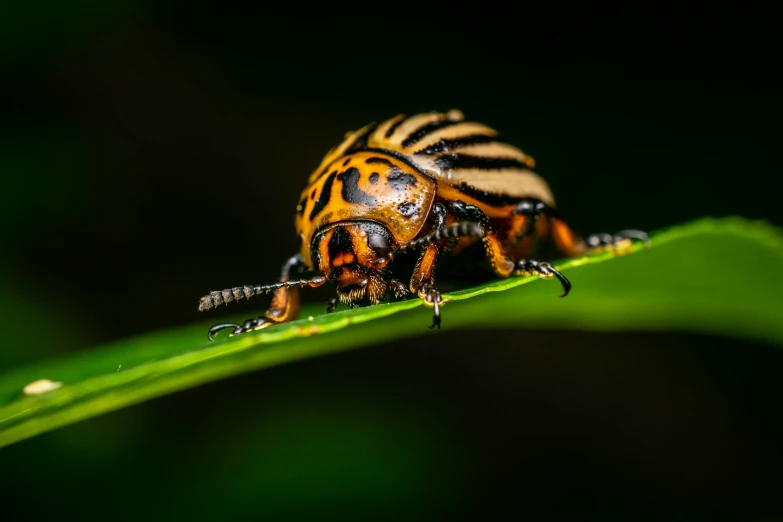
366, 186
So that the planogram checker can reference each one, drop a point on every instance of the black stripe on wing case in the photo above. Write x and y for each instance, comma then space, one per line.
464, 161
445, 145
426, 129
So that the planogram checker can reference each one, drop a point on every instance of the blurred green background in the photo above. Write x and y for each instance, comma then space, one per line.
152, 151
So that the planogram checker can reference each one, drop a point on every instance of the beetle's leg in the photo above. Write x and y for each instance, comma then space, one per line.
423, 273
423, 277
474, 223
497, 256
425, 266
524, 267
565, 239
432, 298
331, 304
531, 221
529, 211
617, 240
438, 233
285, 299
448, 233
570, 244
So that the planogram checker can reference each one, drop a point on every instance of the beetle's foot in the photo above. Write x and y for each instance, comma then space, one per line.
431, 296
526, 267
618, 241
251, 324
399, 288
331, 304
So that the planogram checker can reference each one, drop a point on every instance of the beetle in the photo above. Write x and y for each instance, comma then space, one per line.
418, 192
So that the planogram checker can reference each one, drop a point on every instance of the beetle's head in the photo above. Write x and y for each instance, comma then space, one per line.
354, 255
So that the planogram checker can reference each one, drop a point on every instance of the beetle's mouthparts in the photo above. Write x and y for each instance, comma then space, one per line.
350, 294
353, 287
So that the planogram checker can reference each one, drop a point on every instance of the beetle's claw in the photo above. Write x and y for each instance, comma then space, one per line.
525, 267
432, 298
216, 328
553, 271
435, 320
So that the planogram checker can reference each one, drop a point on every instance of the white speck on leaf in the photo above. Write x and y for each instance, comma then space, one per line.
40, 387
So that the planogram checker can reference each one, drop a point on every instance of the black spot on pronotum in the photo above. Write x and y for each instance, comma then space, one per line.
376, 159
351, 191
374, 178
400, 180
408, 209
312, 194
346, 162
326, 194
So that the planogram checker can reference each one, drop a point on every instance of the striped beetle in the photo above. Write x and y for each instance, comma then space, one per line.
433, 185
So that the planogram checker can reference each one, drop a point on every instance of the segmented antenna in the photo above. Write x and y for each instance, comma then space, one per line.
457, 230
217, 298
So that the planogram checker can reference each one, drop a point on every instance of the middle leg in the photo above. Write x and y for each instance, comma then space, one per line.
501, 262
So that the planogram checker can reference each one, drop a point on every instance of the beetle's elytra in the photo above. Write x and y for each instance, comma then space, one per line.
425, 187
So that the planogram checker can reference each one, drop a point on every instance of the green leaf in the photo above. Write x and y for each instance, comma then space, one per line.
716, 276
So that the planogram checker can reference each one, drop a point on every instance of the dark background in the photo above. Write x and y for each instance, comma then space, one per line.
152, 151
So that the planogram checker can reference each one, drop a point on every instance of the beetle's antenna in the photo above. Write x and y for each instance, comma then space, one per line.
217, 298
455, 231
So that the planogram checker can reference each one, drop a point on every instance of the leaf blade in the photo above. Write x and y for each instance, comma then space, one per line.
675, 285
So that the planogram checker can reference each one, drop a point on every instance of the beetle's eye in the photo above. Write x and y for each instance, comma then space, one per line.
379, 245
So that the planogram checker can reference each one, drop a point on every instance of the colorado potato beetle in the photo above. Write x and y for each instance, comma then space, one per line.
400, 198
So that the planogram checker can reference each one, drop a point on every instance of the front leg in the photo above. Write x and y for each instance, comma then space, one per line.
423, 277
432, 298
285, 299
